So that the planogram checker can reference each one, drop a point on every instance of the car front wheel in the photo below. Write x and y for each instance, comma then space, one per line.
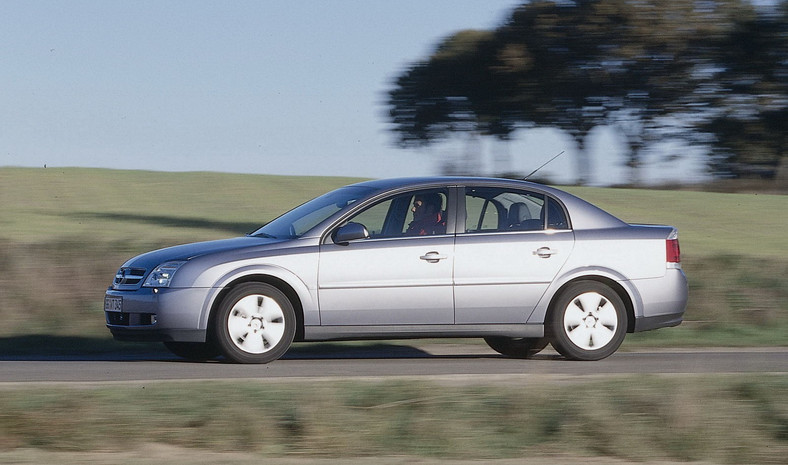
588, 322
255, 323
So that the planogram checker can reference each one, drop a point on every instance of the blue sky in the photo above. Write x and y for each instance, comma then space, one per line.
275, 87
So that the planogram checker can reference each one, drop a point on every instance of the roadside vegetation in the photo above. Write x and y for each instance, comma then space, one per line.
708, 418
64, 233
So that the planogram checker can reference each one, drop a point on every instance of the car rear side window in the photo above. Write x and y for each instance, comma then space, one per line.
491, 209
556, 217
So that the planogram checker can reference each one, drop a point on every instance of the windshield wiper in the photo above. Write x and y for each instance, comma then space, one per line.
263, 235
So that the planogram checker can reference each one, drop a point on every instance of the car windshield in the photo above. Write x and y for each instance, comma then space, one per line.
306, 216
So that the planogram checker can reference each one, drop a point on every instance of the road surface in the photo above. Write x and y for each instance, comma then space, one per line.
387, 360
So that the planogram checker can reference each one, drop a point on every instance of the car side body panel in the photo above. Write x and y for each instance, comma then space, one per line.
500, 277
387, 281
633, 257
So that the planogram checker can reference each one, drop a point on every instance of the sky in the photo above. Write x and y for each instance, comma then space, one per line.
270, 87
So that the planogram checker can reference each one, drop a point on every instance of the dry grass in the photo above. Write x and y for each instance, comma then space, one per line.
723, 419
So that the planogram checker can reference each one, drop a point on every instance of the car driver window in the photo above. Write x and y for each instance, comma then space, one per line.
373, 218
421, 213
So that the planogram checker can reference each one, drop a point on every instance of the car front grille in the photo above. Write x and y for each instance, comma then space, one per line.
129, 276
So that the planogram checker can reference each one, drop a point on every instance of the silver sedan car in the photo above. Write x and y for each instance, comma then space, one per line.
517, 263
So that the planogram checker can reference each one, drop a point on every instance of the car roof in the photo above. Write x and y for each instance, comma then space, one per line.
583, 214
393, 183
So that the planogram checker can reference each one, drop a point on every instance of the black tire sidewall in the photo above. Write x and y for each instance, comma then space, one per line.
221, 333
560, 340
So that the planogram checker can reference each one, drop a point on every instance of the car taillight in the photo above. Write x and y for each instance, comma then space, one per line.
673, 250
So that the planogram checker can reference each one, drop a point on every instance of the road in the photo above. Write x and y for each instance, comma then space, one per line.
387, 360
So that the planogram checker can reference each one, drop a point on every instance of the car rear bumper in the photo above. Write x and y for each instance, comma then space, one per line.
656, 322
665, 300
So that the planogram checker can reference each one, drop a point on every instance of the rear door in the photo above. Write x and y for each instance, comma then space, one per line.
513, 245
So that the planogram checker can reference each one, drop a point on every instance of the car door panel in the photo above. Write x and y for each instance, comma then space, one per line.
500, 277
403, 281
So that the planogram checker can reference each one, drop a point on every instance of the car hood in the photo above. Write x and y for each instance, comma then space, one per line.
152, 259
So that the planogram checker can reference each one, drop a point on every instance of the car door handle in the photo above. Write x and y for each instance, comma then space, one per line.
545, 252
433, 257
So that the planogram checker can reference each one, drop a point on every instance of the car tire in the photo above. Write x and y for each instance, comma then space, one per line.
255, 323
196, 351
588, 322
517, 347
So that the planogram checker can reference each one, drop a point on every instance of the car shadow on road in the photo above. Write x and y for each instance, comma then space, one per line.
75, 348
378, 350
35, 347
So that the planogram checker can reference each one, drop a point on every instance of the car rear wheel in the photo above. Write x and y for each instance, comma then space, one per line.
255, 323
197, 351
588, 322
517, 347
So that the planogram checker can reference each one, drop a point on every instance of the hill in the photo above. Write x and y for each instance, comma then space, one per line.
65, 231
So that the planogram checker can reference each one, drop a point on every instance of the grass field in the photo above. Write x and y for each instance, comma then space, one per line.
64, 232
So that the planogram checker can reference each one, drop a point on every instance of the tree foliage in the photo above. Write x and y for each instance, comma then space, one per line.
749, 95
637, 64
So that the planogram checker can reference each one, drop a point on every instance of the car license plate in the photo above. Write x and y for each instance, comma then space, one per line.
113, 304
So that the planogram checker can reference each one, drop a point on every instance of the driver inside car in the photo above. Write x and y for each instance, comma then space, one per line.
427, 216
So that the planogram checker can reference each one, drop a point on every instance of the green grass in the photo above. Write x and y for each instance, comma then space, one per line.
716, 418
65, 231
752, 226
144, 207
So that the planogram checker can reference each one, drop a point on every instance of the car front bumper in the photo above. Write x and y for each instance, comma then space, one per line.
149, 314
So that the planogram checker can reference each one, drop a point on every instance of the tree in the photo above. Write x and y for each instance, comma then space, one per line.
544, 67
547, 66
640, 65
749, 122
656, 55
442, 95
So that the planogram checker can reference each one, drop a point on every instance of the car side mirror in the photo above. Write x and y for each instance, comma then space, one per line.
350, 232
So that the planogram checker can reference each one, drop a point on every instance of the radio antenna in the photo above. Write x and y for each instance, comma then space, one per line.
543, 165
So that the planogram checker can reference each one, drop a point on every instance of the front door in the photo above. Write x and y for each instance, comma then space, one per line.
400, 275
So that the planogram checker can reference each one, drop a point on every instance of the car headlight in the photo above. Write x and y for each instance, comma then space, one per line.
161, 276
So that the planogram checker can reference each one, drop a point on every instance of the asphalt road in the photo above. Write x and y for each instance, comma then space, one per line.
386, 360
